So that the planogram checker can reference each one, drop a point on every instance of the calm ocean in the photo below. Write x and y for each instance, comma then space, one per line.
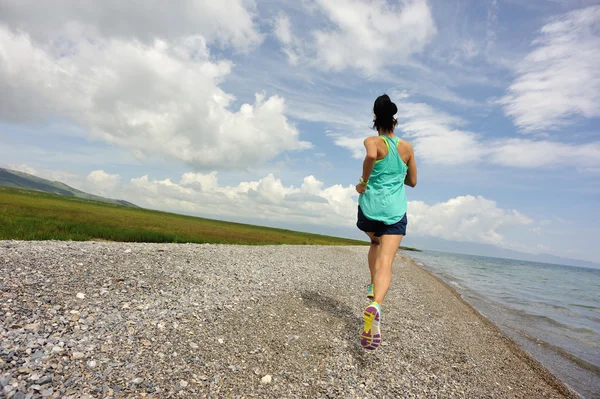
552, 311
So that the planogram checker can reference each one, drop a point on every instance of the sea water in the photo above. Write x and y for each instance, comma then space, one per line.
552, 311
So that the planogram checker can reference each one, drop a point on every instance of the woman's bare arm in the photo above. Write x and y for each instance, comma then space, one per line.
370, 158
411, 174
368, 164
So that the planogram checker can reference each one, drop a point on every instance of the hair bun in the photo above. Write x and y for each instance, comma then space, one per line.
384, 110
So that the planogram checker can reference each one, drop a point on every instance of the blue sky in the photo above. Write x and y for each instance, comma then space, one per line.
256, 111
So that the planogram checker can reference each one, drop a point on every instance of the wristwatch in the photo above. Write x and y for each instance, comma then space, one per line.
364, 183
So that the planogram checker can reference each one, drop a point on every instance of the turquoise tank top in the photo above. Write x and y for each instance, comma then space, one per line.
385, 197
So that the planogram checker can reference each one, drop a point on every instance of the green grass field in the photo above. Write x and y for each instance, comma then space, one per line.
33, 215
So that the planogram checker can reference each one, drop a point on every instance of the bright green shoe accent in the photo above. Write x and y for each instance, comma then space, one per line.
371, 294
377, 305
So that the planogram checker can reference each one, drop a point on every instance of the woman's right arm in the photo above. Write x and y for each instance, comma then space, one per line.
411, 175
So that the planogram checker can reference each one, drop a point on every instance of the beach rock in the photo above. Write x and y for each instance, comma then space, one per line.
266, 379
44, 380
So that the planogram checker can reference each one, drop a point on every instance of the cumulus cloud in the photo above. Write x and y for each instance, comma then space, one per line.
227, 22
265, 199
102, 182
465, 218
362, 34
559, 79
161, 98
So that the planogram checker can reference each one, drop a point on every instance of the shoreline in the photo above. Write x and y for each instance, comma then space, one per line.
514, 347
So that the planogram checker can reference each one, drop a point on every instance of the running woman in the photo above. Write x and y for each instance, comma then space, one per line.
388, 167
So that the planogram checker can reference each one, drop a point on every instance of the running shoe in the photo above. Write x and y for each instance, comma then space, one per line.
370, 338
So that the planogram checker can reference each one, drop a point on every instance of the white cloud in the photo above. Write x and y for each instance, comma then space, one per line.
465, 218
265, 199
290, 44
160, 99
560, 78
102, 182
542, 153
438, 137
228, 22
23, 168
441, 139
363, 34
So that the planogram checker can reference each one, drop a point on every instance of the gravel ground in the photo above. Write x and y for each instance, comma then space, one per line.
117, 320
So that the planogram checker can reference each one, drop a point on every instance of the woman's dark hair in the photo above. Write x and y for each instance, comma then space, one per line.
384, 110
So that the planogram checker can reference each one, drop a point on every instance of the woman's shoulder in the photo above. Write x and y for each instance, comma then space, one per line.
372, 138
404, 144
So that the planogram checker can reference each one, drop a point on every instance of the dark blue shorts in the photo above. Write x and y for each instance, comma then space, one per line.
380, 228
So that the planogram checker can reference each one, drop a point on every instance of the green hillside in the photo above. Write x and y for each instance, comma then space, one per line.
16, 179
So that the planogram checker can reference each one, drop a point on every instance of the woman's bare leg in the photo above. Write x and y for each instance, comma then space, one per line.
382, 273
373, 252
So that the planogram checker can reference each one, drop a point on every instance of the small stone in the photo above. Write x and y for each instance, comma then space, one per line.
78, 355
80, 295
24, 370
19, 395
125, 306
183, 383
36, 387
194, 345
35, 327
57, 349
46, 393
92, 364
44, 380
220, 340
266, 379
137, 381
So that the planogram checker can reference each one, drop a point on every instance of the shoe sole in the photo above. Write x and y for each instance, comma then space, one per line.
370, 338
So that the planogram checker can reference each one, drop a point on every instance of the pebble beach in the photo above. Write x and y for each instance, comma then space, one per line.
123, 320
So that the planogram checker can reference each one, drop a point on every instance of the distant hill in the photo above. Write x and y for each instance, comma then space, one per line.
16, 179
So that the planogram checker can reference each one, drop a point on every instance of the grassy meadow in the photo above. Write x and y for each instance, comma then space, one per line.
32, 215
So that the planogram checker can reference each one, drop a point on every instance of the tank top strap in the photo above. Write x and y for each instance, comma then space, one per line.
387, 143
395, 143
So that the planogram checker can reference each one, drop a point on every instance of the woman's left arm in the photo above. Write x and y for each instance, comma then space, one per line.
368, 163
